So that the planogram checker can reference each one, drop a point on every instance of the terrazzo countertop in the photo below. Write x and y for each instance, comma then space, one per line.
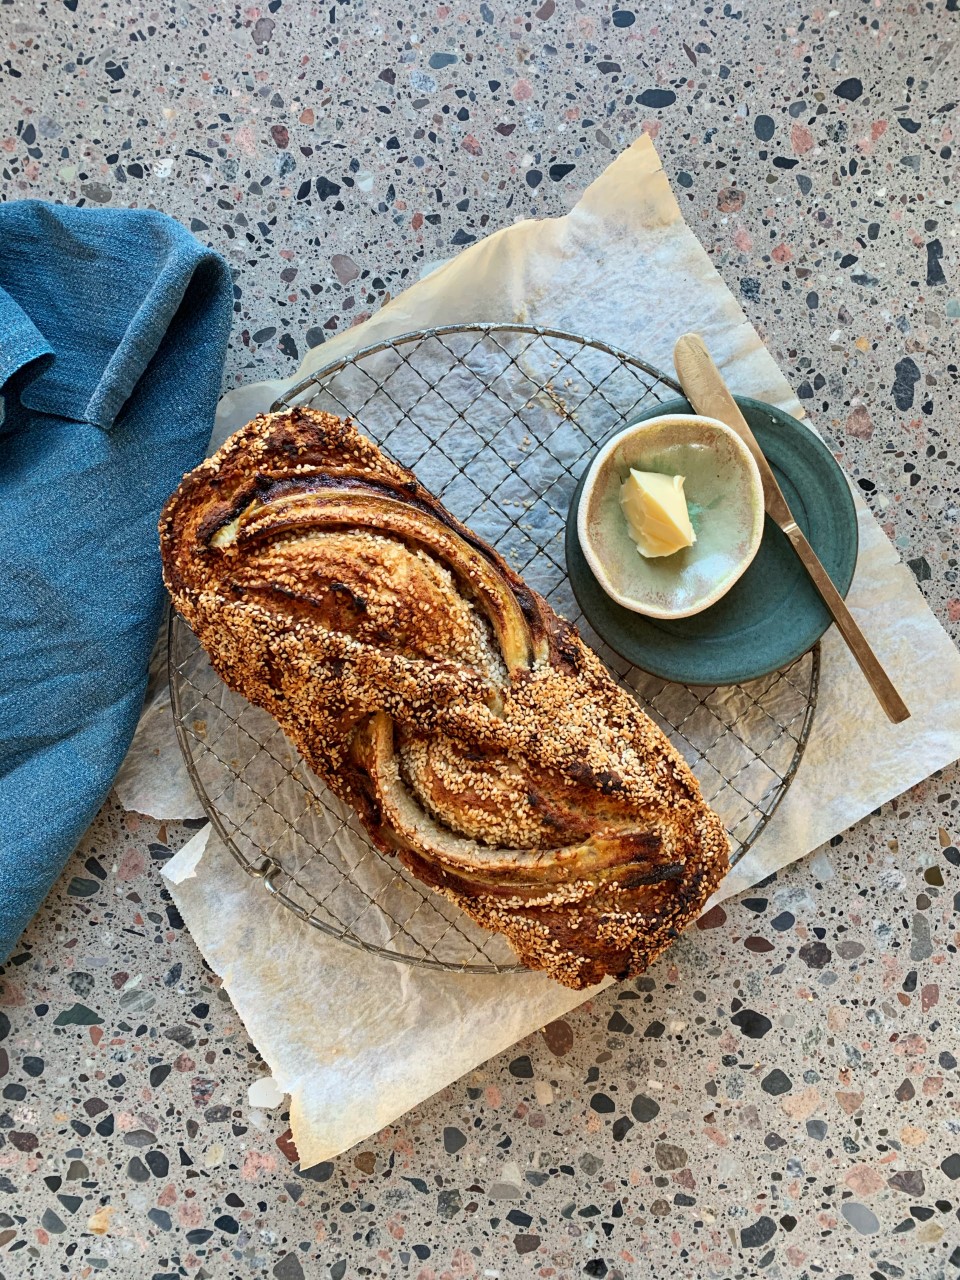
780, 1095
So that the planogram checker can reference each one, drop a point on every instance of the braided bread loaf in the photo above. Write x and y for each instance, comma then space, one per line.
475, 734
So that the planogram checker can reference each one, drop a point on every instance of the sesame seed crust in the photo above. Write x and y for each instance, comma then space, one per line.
478, 738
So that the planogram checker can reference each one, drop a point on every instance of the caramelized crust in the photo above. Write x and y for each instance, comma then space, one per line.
478, 738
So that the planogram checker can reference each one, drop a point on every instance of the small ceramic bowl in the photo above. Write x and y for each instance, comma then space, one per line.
724, 497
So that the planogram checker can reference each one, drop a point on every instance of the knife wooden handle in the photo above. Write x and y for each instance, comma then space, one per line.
858, 644
705, 388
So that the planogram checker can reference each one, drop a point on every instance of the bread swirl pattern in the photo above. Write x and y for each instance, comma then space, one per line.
478, 738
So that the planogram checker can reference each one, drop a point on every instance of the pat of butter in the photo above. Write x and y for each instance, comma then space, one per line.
656, 513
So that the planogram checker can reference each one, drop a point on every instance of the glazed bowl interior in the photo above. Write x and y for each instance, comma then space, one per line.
724, 497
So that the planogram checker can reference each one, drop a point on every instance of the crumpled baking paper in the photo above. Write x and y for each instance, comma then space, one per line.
354, 1038
357, 1039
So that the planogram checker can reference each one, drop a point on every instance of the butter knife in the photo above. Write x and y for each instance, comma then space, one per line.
704, 387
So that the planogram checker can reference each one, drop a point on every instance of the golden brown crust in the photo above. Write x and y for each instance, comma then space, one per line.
475, 734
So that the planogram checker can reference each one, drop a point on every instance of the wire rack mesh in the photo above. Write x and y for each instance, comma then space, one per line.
499, 421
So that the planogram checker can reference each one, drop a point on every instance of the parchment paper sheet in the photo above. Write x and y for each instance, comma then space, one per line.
357, 1040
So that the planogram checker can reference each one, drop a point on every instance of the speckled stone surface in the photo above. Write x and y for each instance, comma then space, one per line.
780, 1095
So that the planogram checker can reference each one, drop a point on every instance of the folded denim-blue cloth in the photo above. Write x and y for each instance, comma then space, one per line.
113, 331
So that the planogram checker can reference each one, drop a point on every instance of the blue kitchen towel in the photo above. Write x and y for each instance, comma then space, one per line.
113, 331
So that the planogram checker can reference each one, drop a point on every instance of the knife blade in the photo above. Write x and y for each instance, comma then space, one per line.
704, 387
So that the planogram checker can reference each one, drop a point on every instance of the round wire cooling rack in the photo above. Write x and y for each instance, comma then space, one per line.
498, 421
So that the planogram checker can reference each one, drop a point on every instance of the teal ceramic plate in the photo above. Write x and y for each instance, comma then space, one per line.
773, 614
